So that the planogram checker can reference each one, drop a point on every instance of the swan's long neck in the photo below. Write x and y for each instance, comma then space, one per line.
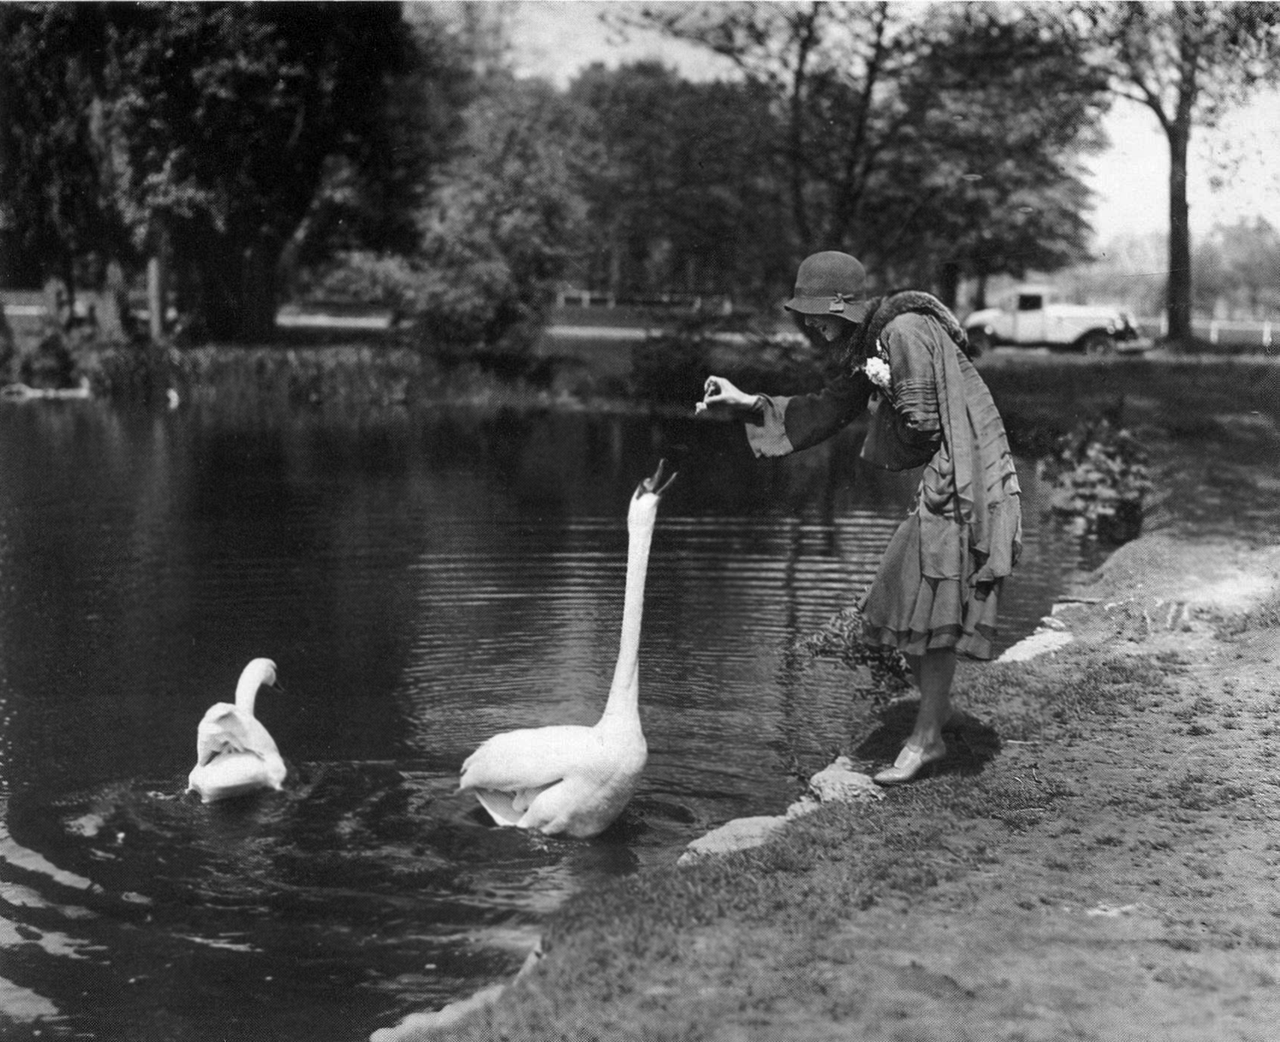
624, 694
247, 691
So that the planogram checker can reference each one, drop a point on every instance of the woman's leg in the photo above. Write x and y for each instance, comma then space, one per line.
933, 673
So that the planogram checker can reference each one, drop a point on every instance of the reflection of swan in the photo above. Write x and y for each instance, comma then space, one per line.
234, 752
571, 778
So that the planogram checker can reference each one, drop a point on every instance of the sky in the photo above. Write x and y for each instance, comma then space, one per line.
556, 38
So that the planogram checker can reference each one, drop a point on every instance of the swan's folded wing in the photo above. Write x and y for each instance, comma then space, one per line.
223, 730
528, 759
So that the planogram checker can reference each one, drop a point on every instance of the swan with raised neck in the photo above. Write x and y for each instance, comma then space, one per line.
572, 779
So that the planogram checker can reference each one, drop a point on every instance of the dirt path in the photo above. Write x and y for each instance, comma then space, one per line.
1144, 904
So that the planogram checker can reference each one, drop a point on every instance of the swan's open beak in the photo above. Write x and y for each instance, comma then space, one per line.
655, 485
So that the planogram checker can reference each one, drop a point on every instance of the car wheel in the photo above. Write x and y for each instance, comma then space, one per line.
979, 342
1098, 344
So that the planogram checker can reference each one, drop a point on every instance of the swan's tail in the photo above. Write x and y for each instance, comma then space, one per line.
500, 805
234, 774
508, 808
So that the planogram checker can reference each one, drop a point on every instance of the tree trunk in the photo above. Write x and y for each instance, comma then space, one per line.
158, 283
258, 293
1178, 292
949, 284
615, 263
115, 324
980, 292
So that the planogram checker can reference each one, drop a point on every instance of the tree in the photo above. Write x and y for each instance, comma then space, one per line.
1001, 106
505, 215
1127, 271
905, 133
827, 67
209, 132
224, 117
500, 216
684, 198
1235, 269
1187, 63
54, 193
373, 207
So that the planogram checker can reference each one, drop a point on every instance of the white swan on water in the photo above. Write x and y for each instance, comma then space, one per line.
234, 753
574, 779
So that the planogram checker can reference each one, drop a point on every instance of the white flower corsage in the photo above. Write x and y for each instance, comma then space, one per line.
877, 369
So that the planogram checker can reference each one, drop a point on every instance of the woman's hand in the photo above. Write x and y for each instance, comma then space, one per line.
719, 391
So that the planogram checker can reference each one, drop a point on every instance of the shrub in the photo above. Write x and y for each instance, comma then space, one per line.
364, 277
1100, 479
841, 637
138, 371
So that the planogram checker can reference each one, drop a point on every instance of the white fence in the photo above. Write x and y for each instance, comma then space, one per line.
1245, 333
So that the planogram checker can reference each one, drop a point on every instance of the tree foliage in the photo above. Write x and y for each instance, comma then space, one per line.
55, 198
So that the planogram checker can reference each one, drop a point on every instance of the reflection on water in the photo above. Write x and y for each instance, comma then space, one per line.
422, 582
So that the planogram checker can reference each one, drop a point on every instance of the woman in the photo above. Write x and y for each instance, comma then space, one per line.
936, 592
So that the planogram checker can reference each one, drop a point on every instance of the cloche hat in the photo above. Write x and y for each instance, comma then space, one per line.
830, 283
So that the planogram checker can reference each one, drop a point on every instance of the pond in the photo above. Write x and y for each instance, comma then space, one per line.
422, 580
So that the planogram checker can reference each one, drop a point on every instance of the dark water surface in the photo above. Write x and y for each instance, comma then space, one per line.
422, 582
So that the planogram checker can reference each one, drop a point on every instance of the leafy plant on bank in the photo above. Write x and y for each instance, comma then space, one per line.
841, 637
1101, 479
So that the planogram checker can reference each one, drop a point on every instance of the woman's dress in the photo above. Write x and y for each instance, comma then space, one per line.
938, 583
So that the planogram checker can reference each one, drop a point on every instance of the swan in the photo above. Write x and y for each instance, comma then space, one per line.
234, 753
572, 779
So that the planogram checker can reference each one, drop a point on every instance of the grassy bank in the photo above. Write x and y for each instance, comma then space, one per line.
1095, 857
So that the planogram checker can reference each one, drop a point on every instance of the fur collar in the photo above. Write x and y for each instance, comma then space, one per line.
884, 310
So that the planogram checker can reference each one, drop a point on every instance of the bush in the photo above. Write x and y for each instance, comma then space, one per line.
363, 277
841, 638
1100, 480
50, 364
136, 372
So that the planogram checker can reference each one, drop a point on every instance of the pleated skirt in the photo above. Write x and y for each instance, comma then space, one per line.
912, 613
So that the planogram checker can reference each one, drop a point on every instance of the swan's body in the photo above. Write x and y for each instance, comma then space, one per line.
234, 753
574, 779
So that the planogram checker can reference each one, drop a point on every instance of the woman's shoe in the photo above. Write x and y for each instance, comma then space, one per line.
909, 763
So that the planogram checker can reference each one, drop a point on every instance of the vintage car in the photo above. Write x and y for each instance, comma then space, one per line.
1030, 316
